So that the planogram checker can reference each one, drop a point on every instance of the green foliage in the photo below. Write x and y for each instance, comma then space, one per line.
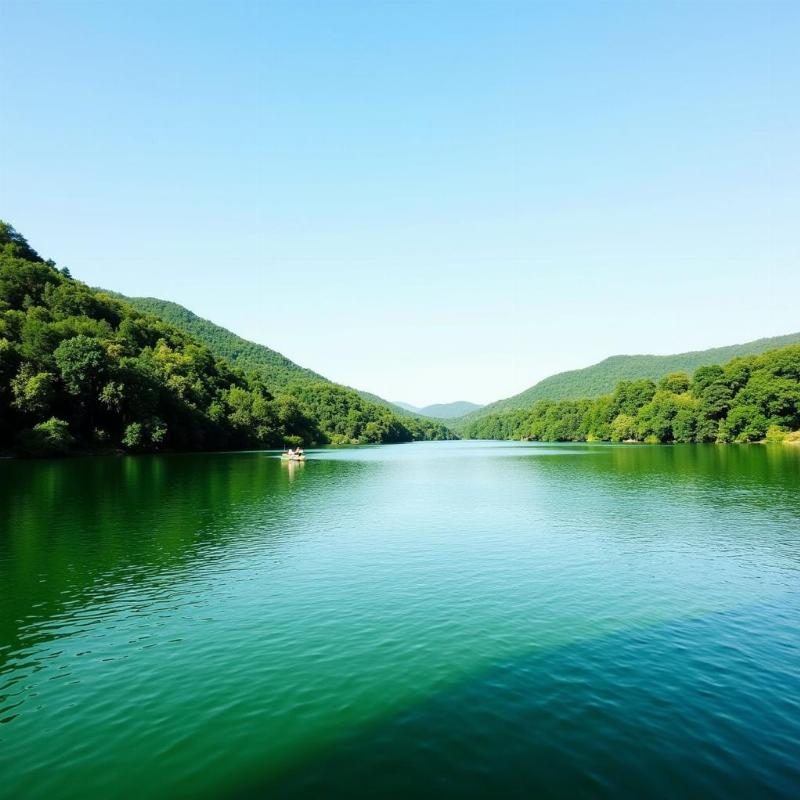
33, 391
82, 363
15, 245
630, 396
601, 379
745, 401
50, 438
346, 418
80, 368
275, 369
675, 382
148, 435
776, 434
342, 415
623, 428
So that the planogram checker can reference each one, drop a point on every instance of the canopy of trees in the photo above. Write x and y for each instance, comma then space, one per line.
746, 400
602, 378
81, 370
273, 367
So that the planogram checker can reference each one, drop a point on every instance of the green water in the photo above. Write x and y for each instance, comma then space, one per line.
452, 619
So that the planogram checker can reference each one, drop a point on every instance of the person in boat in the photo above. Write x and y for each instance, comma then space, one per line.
290, 453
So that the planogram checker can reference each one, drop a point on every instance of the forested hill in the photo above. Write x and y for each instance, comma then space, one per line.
274, 368
746, 400
601, 378
83, 371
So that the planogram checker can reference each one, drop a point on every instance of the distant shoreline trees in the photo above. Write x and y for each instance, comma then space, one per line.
749, 399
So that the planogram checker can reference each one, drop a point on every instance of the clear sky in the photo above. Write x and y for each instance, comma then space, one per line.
431, 201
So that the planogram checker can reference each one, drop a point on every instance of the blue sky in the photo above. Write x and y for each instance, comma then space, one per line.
431, 201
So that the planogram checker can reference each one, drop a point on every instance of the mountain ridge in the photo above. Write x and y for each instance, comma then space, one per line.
274, 367
601, 378
452, 410
84, 371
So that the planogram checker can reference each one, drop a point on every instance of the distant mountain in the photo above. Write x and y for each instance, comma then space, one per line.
449, 410
601, 378
457, 408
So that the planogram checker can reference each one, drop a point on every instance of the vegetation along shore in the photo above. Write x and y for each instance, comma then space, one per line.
85, 370
82, 371
749, 399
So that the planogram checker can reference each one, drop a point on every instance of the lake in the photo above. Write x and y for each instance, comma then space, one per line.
452, 619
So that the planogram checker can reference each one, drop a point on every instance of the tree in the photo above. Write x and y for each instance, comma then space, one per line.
33, 391
15, 244
706, 376
715, 400
684, 425
82, 363
654, 419
630, 396
623, 428
745, 423
675, 382
778, 398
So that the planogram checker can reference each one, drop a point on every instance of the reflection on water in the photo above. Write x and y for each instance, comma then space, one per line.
293, 467
227, 622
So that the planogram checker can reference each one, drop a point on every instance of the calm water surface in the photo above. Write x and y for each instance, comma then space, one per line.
452, 619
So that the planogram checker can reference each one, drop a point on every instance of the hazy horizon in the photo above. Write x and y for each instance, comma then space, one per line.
431, 202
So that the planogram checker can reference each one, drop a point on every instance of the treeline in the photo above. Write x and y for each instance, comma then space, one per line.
83, 371
348, 418
748, 399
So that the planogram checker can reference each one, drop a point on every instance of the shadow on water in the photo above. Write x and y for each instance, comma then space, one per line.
706, 707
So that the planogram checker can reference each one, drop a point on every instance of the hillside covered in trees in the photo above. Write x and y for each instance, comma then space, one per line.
601, 378
81, 370
746, 400
274, 368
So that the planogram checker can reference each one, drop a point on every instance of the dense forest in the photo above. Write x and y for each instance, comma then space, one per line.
81, 371
273, 367
601, 378
748, 399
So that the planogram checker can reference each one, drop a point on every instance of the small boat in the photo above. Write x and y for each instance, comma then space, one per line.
292, 457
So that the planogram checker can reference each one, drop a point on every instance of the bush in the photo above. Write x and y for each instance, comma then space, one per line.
147, 435
776, 434
51, 438
133, 438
